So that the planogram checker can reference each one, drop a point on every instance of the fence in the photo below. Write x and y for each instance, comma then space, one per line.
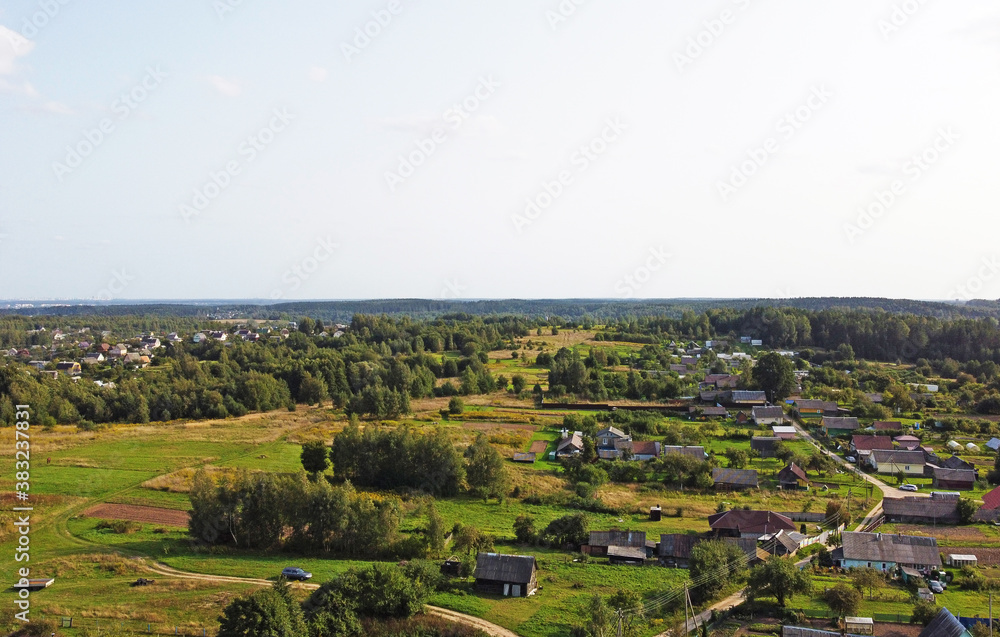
139, 627
817, 613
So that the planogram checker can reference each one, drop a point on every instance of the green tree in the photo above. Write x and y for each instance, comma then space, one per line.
519, 383
600, 617
470, 540
967, 508
569, 530
315, 456
435, 528
455, 406
867, 579
716, 563
774, 374
486, 471
738, 458
923, 612
779, 578
843, 600
271, 612
524, 529
630, 602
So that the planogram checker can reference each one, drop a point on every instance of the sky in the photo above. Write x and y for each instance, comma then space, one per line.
233, 149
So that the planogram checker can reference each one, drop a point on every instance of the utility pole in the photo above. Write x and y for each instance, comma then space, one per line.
848, 503
686, 609
991, 613
621, 616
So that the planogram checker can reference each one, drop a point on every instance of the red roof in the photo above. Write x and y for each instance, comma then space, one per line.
992, 499
644, 447
871, 442
750, 521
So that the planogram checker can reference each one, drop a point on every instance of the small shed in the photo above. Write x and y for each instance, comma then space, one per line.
507, 575
655, 513
959, 560
627, 555
860, 625
527, 457
452, 566
925, 594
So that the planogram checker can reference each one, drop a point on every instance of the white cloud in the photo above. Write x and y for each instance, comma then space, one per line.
25, 89
225, 86
318, 74
12, 46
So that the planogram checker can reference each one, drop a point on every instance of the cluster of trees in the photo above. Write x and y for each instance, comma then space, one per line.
266, 511
568, 530
398, 458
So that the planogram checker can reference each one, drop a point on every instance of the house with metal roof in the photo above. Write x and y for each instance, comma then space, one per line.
940, 508
836, 425
793, 477
767, 415
870, 443
601, 541
674, 549
734, 479
945, 625
752, 524
507, 575
570, 445
886, 551
888, 462
809, 407
960, 479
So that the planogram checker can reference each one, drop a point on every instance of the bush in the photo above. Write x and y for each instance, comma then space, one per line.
773, 629
122, 527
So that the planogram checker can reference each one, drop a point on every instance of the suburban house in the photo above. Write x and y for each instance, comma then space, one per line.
69, 367
887, 425
888, 462
945, 624
734, 479
766, 446
793, 477
959, 479
507, 575
767, 415
753, 524
907, 442
807, 408
785, 432
836, 425
151, 342
675, 548
570, 445
940, 508
602, 541
885, 551
606, 438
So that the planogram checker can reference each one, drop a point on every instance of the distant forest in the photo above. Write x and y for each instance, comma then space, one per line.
574, 309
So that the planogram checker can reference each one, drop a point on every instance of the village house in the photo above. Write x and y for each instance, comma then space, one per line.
674, 549
507, 575
606, 438
752, 524
885, 551
766, 446
888, 462
945, 624
957, 479
940, 508
907, 442
785, 432
743, 398
837, 425
764, 416
69, 367
570, 445
645, 449
870, 443
793, 477
812, 408
887, 425
734, 479
601, 541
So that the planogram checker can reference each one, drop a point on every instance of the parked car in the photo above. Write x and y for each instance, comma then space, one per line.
852, 459
295, 573
936, 587
907, 487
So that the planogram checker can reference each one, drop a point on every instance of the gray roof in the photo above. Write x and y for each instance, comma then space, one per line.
825, 405
743, 395
693, 451
928, 508
767, 412
898, 456
629, 552
679, 545
504, 568
886, 547
618, 538
611, 431
575, 441
944, 625
838, 422
954, 462
964, 475
747, 477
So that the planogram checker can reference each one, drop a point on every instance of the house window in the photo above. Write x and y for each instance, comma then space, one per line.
604, 441
869, 564
907, 467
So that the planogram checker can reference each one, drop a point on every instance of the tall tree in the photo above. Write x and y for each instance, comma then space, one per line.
779, 578
485, 470
270, 612
774, 374
715, 563
315, 456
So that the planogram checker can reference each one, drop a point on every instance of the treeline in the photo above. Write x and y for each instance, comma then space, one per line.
267, 511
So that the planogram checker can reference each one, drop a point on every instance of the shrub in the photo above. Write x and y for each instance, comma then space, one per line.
121, 527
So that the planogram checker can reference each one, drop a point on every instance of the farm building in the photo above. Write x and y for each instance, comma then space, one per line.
886, 462
627, 555
940, 508
507, 575
992, 499
954, 462
707, 412
767, 415
959, 560
807, 408
742, 418
766, 446
675, 548
695, 451
945, 625
780, 543
860, 625
961, 479
793, 477
744, 398
570, 445
954, 446
752, 524
836, 425
601, 542
734, 479
645, 449
885, 551
887, 425
785, 432
528, 457
908, 443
